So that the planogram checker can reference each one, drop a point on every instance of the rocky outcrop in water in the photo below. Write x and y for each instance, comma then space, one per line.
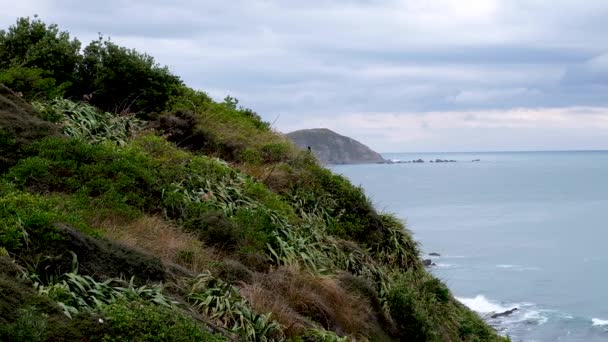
502, 314
428, 262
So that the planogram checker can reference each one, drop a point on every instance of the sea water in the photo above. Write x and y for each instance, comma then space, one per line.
526, 230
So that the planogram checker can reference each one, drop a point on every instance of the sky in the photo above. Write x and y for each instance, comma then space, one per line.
400, 76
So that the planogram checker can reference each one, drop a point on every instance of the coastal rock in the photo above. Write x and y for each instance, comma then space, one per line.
332, 148
428, 262
434, 254
502, 314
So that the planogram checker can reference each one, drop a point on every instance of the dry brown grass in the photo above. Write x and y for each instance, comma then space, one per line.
159, 238
298, 298
264, 300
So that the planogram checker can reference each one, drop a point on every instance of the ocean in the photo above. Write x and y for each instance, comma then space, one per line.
526, 230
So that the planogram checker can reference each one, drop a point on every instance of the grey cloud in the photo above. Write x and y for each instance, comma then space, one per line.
321, 58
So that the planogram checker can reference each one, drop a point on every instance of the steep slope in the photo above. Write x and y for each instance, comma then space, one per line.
198, 223
333, 148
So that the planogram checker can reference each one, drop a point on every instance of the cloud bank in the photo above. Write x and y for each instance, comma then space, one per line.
398, 75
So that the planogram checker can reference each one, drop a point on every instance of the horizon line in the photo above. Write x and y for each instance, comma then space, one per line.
503, 151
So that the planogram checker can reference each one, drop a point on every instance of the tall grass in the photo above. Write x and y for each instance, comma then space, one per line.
83, 121
311, 247
224, 304
74, 292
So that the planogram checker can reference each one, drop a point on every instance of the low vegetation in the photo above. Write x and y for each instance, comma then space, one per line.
133, 208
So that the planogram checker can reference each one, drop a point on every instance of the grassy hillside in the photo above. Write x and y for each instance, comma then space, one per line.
180, 218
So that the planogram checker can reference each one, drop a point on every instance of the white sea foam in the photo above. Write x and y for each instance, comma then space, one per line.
597, 321
517, 267
482, 305
535, 316
442, 265
453, 256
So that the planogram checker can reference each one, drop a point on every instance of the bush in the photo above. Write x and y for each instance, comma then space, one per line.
29, 326
411, 316
37, 59
395, 247
215, 230
32, 83
124, 80
257, 227
25, 216
120, 176
141, 321
275, 152
180, 127
348, 212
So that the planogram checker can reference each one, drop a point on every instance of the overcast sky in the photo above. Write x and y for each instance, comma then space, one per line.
410, 75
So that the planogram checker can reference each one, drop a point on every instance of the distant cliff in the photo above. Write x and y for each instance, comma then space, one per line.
333, 148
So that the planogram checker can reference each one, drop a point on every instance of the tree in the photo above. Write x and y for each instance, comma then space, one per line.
121, 79
38, 59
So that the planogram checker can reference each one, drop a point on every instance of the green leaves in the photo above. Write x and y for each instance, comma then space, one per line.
223, 303
75, 292
32, 43
37, 59
83, 121
123, 80
33, 83
42, 62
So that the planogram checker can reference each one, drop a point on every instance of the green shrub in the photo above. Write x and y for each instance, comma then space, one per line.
32, 83
37, 59
275, 152
124, 80
119, 175
257, 226
435, 287
29, 326
412, 318
24, 217
346, 209
251, 155
396, 248
141, 321
188, 99
215, 229
180, 127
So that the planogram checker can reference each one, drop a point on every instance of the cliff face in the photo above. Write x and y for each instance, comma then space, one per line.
333, 148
